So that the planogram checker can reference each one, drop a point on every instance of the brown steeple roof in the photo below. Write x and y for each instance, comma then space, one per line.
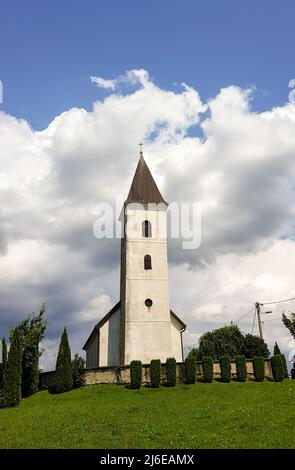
143, 188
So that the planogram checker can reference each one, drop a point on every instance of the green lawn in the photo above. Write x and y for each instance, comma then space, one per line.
217, 415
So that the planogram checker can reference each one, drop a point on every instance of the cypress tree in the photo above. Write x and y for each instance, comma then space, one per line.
135, 374
155, 370
4, 352
11, 394
190, 369
285, 367
276, 349
277, 367
3, 363
63, 377
171, 372
225, 368
208, 371
241, 367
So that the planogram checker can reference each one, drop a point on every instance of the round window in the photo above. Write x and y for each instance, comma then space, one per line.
148, 303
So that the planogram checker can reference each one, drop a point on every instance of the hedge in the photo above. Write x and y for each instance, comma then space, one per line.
190, 369
258, 367
155, 370
241, 368
135, 374
171, 372
207, 362
225, 368
277, 367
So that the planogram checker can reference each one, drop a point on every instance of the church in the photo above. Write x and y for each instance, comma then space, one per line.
141, 326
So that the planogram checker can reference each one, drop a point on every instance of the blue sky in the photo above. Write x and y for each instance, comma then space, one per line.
49, 49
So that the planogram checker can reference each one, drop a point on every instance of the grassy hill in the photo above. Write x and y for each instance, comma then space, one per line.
217, 415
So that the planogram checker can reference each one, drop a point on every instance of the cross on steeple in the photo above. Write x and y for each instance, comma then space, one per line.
140, 147
143, 188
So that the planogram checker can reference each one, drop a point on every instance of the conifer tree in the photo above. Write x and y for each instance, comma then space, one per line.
276, 349
3, 363
4, 352
11, 393
63, 377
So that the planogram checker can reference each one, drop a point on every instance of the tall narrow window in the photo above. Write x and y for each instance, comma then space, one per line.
146, 228
147, 262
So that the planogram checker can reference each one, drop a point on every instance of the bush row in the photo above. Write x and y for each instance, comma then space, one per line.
278, 365
155, 372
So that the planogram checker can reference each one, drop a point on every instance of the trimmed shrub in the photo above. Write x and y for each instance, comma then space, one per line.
190, 370
277, 367
241, 368
135, 374
285, 368
155, 371
225, 368
11, 394
63, 377
171, 372
78, 368
258, 368
207, 369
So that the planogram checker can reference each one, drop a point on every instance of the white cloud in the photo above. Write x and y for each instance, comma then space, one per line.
242, 172
131, 78
102, 83
226, 290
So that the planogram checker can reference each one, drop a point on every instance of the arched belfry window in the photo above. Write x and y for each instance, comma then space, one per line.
146, 228
147, 262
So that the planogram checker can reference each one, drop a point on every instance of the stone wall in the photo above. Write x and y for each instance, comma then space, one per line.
120, 375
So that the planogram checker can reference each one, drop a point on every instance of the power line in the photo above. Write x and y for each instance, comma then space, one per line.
276, 301
244, 315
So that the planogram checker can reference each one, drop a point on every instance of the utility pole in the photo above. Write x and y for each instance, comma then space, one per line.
257, 306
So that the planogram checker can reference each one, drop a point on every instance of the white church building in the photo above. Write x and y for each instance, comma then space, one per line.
141, 325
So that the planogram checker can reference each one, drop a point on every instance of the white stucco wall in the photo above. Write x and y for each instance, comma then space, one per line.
147, 330
109, 343
92, 352
176, 340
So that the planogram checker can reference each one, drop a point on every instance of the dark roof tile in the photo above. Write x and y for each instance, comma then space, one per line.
143, 188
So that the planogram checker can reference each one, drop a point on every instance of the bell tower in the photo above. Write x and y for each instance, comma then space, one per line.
145, 331
141, 325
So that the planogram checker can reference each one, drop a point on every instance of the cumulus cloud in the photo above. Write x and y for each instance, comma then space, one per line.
241, 172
